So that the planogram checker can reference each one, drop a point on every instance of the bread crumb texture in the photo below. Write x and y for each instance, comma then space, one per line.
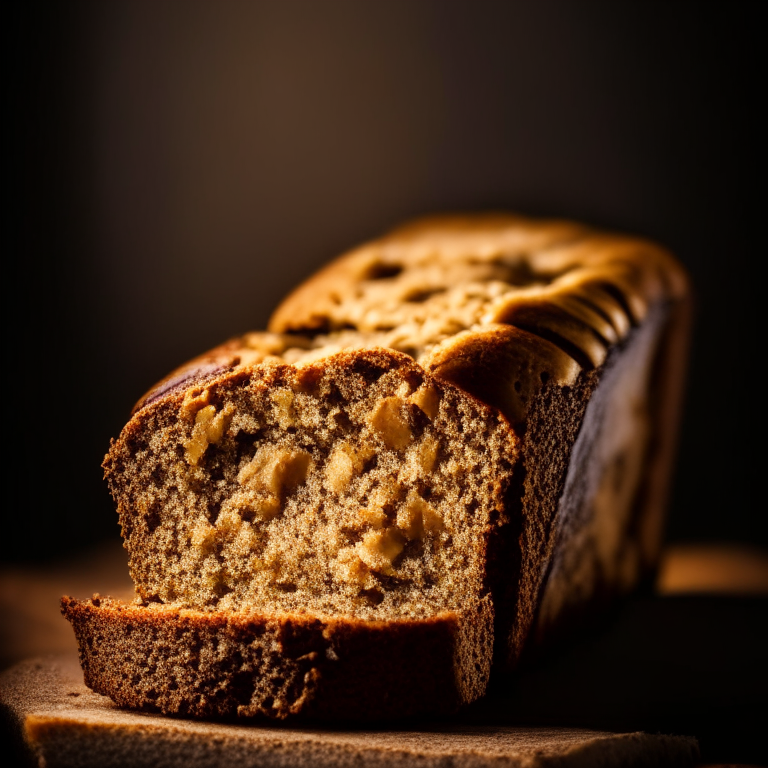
356, 486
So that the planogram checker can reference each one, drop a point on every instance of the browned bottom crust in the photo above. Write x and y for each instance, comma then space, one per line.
226, 664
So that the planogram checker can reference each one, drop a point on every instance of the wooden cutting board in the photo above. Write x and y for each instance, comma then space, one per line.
54, 720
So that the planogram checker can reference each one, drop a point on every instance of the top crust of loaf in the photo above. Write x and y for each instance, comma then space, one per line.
525, 266
498, 304
444, 289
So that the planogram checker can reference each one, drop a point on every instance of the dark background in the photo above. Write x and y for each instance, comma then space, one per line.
174, 168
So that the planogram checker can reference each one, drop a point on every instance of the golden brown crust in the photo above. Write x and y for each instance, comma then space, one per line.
246, 665
464, 247
248, 350
447, 290
566, 284
502, 366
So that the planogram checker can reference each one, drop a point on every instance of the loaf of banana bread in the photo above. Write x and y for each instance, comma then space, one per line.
450, 441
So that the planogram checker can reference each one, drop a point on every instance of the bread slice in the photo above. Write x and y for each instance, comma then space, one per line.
463, 430
225, 664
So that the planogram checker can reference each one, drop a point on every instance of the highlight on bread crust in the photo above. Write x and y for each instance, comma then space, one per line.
463, 431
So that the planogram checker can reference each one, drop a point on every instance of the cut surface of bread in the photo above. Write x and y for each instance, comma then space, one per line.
468, 424
358, 486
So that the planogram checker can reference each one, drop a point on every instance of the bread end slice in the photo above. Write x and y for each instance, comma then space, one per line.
222, 665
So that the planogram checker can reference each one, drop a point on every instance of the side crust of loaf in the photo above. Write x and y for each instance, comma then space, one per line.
239, 665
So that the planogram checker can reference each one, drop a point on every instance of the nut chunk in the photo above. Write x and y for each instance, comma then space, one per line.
389, 420
378, 549
346, 461
276, 470
284, 408
417, 517
209, 428
428, 400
